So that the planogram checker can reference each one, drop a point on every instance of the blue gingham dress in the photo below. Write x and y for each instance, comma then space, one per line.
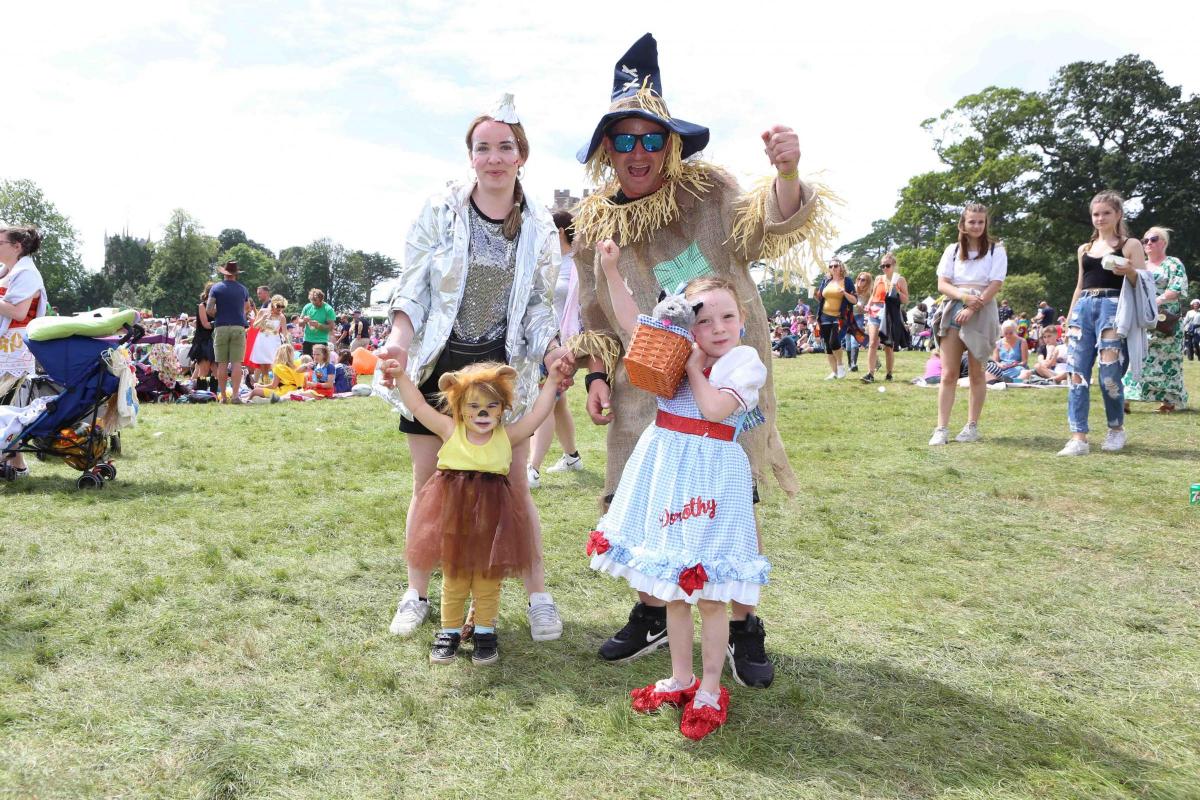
653, 528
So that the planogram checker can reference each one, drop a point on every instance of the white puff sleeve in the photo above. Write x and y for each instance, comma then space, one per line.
998, 269
741, 373
946, 265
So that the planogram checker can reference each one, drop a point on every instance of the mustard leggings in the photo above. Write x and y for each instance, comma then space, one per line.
455, 591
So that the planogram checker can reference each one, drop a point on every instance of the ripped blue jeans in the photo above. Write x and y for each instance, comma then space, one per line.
1090, 318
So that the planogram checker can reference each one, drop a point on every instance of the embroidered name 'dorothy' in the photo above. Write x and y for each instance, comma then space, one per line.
696, 507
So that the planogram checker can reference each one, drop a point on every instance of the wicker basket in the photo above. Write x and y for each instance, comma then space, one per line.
657, 355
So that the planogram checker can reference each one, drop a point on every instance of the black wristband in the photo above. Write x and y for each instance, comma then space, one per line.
594, 376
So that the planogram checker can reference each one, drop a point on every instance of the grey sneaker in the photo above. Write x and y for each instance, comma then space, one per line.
1075, 447
969, 433
1114, 440
545, 625
410, 614
567, 463
940, 437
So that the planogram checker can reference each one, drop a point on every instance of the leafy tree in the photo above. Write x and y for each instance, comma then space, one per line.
23, 203
1024, 292
350, 286
127, 260
255, 267
183, 261
919, 268
1036, 158
318, 263
231, 237
376, 268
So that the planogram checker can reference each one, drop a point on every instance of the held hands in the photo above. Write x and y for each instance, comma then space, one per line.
562, 371
782, 147
973, 302
964, 315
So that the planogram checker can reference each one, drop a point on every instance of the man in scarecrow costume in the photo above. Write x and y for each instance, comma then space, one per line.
675, 218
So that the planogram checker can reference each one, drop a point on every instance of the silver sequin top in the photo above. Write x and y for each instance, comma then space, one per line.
491, 267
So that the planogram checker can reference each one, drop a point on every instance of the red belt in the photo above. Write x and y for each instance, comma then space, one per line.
696, 427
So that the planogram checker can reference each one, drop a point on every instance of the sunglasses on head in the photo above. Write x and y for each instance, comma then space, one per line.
1150, 240
625, 142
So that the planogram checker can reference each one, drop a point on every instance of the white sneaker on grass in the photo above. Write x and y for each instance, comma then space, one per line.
533, 476
1114, 440
545, 625
1075, 447
571, 463
940, 437
969, 433
831, 376
841, 373
410, 614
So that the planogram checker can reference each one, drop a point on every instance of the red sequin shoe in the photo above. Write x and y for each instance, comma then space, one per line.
651, 698
696, 723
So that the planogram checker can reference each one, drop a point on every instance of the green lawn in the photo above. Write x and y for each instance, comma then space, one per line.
977, 621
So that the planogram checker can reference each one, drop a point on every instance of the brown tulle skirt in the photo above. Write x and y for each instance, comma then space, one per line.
467, 522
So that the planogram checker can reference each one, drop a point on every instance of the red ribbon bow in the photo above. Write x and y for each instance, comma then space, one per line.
596, 544
693, 578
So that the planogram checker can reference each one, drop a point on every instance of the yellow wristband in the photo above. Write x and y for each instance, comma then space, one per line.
790, 176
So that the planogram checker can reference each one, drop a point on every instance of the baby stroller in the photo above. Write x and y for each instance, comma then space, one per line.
74, 355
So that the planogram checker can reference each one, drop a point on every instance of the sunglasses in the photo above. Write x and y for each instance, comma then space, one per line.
1150, 240
625, 142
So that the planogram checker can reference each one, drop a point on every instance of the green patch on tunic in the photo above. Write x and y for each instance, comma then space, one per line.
689, 264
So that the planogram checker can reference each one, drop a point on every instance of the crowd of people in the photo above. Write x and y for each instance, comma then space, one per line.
500, 303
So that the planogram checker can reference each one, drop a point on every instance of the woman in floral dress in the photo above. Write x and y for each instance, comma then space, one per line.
1162, 371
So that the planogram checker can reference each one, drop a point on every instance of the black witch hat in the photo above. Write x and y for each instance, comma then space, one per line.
637, 92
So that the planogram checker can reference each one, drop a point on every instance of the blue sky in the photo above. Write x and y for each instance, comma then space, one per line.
295, 121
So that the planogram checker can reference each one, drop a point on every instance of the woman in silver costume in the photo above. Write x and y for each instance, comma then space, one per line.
474, 289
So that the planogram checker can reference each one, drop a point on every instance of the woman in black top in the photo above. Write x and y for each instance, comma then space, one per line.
1105, 262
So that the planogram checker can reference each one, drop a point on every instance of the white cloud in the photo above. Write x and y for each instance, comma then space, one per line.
295, 121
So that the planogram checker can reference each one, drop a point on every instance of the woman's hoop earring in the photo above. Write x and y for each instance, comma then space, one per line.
520, 172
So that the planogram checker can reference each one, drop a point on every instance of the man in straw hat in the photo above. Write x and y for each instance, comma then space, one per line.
675, 218
228, 305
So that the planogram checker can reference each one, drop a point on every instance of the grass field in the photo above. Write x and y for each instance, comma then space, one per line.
976, 621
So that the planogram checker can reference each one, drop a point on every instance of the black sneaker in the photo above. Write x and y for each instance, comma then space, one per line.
645, 632
748, 653
868, 378
888, 377
487, 649
445, 648
854, 367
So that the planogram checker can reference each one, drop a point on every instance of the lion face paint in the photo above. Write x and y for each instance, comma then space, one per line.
481, 410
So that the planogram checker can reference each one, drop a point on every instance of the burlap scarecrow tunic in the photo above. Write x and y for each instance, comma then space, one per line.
697, 240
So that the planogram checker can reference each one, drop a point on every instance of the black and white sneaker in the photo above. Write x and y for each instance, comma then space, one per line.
748, 653
645, 632
445, 648
487, 649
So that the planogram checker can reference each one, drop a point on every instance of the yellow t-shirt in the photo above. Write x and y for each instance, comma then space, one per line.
290, 380
833, 298
458, 453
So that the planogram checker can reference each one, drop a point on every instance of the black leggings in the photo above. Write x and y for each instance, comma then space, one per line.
830, 335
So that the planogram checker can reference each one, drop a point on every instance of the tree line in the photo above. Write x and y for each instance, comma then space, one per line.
1036, 159
167, 276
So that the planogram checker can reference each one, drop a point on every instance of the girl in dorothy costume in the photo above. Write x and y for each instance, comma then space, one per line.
681, 525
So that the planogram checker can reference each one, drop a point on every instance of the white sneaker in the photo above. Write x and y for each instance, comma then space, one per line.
940, 437
571, 463
1114, 440
831, 376
841, 373
545, 625
411, 612
1075, 447
532, 475
969, 433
